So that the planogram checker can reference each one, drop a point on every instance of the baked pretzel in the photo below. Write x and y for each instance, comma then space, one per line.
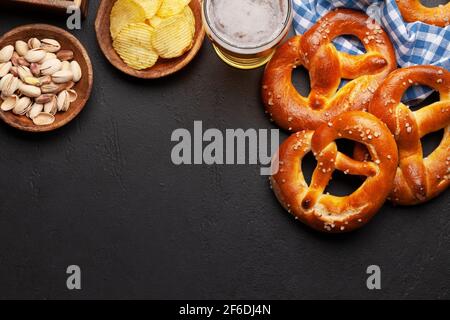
327, 67
325, 212
418, 180
413, 10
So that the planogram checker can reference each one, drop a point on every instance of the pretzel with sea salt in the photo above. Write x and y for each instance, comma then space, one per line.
418, 179
325, 212
327, 67
414, 10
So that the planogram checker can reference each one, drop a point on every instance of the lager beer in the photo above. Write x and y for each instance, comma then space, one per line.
245, 33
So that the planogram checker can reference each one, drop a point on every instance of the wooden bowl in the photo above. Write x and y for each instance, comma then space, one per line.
83, 87
163, 67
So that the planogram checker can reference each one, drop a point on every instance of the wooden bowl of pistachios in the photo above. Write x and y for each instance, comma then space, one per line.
46, 77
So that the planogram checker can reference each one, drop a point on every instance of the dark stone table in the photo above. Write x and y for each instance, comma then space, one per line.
102, 193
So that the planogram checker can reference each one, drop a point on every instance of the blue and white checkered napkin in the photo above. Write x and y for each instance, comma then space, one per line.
415, 43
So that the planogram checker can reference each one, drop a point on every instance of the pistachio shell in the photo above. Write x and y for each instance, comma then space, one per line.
34, 43
63, 101
51, 106
32, 81
35, 109
14, 71
3, 80
49, 56
35, 55
6, 53
22, 62
35, 69
30, 91
56, 88
49, 67
21, 47
76, 71
9, 85
65, 65
73, 95
15, 59
44, 119
5, 68
65, 55
45, 80
24, 72
9, 103
22, 106
62, 76
49, 88
44, 98
50, 45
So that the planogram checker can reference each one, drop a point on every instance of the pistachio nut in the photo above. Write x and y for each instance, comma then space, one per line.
9, 103
51, 66
65, 55
24, 72
30, 91
50, 88
35, 55
22, 62
35, 109
35, 69
48, 56
5, 68
22, 106
32, 81
56, 88
15, 59
3, 80
50, 45
45, 80
44, 98
62, 76
21, 47
65, 65
6, 53
9, 85
63, 101
34, 43
76, 71
51, 106
44, 119
14, 71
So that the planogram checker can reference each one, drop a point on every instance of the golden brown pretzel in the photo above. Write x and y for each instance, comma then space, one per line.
413, 10
327, 67
325, 212
418, 180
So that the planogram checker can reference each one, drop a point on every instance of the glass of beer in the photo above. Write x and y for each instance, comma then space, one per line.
245, 33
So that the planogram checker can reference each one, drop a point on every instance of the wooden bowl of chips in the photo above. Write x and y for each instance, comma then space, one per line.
163, 67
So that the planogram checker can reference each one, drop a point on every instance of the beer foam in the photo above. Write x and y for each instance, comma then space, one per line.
247, 23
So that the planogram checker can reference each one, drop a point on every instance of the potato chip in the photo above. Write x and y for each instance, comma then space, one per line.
191, 18
150, 7
173, 37
123, 13
134, 45
155, 21
172, 7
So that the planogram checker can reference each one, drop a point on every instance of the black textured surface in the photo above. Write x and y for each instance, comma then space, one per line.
102, 193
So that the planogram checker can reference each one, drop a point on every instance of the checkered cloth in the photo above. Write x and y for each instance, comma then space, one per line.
415, 43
